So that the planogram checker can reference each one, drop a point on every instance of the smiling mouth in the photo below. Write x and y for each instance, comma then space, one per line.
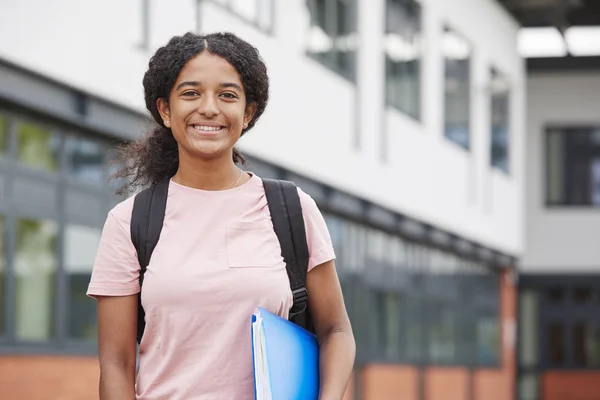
207, 128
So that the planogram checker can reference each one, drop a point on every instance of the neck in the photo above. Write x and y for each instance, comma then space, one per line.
213, 174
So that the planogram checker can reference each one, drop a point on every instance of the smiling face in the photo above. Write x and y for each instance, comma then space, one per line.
207, 108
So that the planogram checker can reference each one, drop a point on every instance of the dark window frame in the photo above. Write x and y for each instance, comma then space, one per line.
564, 129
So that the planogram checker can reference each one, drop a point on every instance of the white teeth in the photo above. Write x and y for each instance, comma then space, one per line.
207, 128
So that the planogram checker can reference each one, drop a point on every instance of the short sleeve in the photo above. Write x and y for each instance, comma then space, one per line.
116, 268
320, 247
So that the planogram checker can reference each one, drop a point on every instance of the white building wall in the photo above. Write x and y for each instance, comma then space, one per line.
314, 114
559, 239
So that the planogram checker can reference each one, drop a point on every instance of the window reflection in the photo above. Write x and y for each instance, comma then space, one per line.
332, 36
3, 134
35, 272
2, 278
86, 159
500, 121
80, 246
457, 59
403, 56
488, 339
556, 346
442, 332
586, 344
37, 146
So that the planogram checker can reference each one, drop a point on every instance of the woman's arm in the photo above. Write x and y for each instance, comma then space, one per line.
334, 333
117, 329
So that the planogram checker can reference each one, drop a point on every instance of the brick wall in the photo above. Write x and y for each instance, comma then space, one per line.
48, 378
576, 385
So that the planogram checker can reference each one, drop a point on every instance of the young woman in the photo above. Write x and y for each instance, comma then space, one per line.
218, 257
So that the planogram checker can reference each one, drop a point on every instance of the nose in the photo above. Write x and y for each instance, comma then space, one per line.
208, 106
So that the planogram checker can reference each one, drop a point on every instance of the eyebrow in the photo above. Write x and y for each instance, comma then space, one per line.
196, 84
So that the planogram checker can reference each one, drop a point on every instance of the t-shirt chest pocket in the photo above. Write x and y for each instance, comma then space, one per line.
252, 245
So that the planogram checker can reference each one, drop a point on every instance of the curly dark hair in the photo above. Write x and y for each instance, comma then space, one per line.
155, 156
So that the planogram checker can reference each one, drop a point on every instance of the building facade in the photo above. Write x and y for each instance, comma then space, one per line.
559, 356
404, 120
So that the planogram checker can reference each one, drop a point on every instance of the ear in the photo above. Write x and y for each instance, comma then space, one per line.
249, 114
165, 112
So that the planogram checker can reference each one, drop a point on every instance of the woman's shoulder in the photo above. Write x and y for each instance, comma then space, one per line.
121, 211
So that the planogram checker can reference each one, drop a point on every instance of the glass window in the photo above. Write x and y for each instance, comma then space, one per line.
80, 246
2, 278
388, 326
332, 37
35, 271
528, 386
442, 332
556, 345
573, 166
500, 122
529, 334
86, 159
586, 344
403, 56
3, 134
584, 295
457, 93
413, 327
37, 146
556, 295
488, 339
258, 12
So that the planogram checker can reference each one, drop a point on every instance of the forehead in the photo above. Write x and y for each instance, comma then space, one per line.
208, 68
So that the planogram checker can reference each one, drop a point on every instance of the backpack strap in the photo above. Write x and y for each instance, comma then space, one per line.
146, 224
288, 222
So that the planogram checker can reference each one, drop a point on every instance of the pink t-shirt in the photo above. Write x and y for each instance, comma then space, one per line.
217, 260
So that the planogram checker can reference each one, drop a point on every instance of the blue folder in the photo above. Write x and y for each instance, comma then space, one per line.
285, 358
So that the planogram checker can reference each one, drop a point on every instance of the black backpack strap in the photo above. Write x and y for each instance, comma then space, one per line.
288, 223
146, 224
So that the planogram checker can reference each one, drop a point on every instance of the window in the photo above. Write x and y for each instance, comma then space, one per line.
332, 37
2, 279
37, 146
257, 12
403, 56
457, 93
529, 330
573, 166
586, 344
80, 246
500, 122
442, 332
86, 159
556, 346
3, 134
486, 301
388, 308
35, 272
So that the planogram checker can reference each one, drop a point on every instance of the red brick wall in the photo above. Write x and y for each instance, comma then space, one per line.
446, 384
389, 382
558, 385
48, 378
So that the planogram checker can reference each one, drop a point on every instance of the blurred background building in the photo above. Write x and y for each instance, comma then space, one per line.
451, 147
